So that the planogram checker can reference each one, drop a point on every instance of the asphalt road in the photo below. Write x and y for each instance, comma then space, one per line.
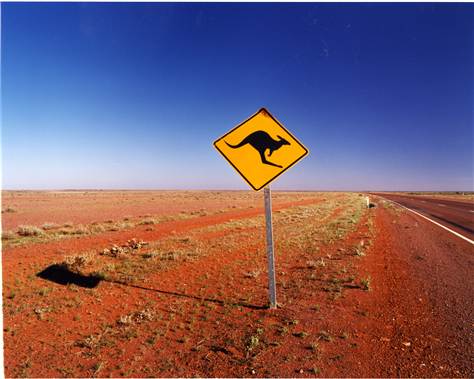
456, 215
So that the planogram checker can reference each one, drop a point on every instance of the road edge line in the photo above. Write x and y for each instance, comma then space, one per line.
434, 222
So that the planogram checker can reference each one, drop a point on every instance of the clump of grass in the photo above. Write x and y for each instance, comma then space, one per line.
321, 263
124, 225
29, 231
301, 334
125, 320
313, 346
201, 212
170, 256
64, 231
136, 317
151, 339
144, 315
148, 221
365, 283
80, 229
8, 235
253, 342
315, 370
97, 228
359, 252
75, 263
325, 336
150, 255
97, 367
41, 311
49, 226
101, 275
11, 295
89, 342
44, 291
253, 274
114, 251
283, 330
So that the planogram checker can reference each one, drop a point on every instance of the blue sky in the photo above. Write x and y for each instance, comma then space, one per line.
133, 95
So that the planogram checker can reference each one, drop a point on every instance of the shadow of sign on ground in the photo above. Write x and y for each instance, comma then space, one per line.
60, 274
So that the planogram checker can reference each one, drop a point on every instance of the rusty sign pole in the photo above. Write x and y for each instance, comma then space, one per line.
270, 255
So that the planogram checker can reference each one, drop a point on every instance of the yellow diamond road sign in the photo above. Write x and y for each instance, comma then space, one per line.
260, 149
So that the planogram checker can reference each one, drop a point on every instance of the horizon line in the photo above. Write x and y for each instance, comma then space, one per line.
225, 190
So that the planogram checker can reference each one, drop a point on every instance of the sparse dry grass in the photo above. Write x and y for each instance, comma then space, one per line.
52, 231
76, 263
29, 231
147, 221
253, 274
8, 235
365, 283
9, 210
309, 238
49, 226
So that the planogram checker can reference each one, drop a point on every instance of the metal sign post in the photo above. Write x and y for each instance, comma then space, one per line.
270, 255
261, 149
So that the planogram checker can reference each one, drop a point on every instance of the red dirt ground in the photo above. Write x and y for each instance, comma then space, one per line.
207, 316
85, 207
422, 304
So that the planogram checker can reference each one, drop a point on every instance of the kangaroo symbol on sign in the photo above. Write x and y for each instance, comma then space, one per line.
261, 141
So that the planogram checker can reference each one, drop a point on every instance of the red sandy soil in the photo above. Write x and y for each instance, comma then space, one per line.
422, 302
210, 317
78, 244
85, 207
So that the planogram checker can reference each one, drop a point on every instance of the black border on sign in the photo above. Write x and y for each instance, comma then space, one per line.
281, 172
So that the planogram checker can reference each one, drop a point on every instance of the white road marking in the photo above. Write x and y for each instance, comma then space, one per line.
436, 223
441, 205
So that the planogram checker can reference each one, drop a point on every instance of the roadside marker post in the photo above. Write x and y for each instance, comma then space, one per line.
260, 149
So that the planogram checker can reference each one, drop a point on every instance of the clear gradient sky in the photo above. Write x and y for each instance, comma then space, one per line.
127, 96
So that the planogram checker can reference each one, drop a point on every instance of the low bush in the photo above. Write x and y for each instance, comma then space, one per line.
29, 231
